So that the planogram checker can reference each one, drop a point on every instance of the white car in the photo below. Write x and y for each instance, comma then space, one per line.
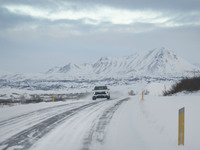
101, 92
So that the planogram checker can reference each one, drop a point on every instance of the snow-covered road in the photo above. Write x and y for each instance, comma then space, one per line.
121, 123
79, 125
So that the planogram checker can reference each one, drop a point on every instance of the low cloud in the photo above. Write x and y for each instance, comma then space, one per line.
95, 28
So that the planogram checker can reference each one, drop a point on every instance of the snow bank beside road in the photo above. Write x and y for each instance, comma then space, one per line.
157, 89
153, 124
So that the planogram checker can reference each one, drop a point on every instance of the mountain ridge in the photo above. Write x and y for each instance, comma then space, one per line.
160, 61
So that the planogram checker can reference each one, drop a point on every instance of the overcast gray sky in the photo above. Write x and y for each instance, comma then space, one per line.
36, 35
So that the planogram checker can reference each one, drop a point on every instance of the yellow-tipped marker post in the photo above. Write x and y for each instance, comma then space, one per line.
142, 95
53, 97
181, 125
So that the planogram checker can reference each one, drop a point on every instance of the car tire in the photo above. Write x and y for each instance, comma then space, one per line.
93, 98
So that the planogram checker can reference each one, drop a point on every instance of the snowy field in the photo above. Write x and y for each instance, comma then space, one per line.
124, 122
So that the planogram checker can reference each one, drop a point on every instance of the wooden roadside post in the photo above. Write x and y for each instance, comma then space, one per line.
142, 95
53, 97
181, 125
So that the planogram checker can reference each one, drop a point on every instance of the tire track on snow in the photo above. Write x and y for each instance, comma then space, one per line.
96, 135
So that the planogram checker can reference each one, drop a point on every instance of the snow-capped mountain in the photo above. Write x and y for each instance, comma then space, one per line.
72, 69
159, 62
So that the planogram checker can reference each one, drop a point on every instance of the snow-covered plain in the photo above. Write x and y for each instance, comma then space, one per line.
124, 122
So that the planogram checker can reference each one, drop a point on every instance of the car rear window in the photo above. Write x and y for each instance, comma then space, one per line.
100, 88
